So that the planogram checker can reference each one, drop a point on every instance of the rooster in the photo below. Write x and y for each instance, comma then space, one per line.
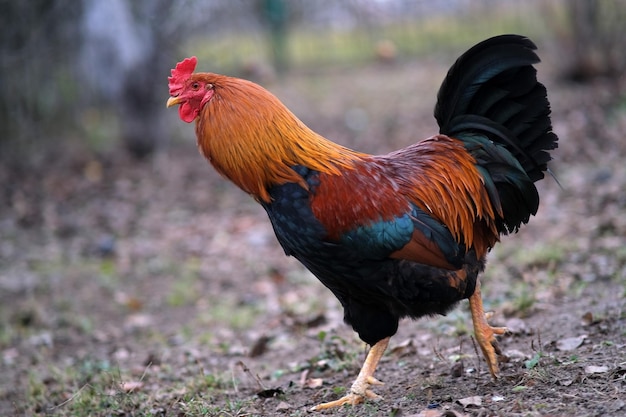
399, 235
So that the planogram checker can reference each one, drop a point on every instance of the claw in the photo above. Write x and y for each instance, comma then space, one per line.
486, 338
373, 381
352, 398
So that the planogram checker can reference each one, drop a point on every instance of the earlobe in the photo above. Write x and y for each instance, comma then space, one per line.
208, 96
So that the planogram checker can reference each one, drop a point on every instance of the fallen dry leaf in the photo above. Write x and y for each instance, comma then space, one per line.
437, 413
403, 347
313, 383
475, 401
131, 386
570, 343
566, 382
283, 406
592, 369
307, 382
427, 413
138, 321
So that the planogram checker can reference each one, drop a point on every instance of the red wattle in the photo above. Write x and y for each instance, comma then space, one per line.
187, 113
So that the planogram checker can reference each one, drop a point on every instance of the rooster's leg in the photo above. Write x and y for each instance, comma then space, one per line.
360, 388
484, 333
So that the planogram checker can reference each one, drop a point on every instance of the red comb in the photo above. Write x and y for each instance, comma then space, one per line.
181, 73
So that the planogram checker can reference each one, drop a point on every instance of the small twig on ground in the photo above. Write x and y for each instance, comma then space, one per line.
247, 371
73, 396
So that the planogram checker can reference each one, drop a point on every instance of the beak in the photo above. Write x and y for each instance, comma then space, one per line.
172, 101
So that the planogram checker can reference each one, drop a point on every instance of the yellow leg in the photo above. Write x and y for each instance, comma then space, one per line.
360, 388
484, 333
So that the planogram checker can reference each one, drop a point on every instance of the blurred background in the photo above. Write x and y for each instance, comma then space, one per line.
93, 72
125, 257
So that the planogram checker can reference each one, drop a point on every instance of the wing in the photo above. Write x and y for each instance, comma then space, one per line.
413, 236
364, 210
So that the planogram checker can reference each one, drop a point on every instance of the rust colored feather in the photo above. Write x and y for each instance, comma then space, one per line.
448, 185
250, 137
368, 192
438, 175
423, 251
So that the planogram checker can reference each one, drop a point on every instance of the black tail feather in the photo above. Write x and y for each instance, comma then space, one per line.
493, 89
491, 97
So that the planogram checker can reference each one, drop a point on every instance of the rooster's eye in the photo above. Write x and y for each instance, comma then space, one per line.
195, 86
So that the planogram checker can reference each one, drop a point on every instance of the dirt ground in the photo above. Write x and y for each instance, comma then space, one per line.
156, 288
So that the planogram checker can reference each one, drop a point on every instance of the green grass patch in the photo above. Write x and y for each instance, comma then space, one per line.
89, 388
541, 254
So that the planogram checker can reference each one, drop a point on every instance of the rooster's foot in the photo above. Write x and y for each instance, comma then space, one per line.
356, 396
486, 334
360, 390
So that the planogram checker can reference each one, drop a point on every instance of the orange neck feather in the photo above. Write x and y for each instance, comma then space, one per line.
251, 138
